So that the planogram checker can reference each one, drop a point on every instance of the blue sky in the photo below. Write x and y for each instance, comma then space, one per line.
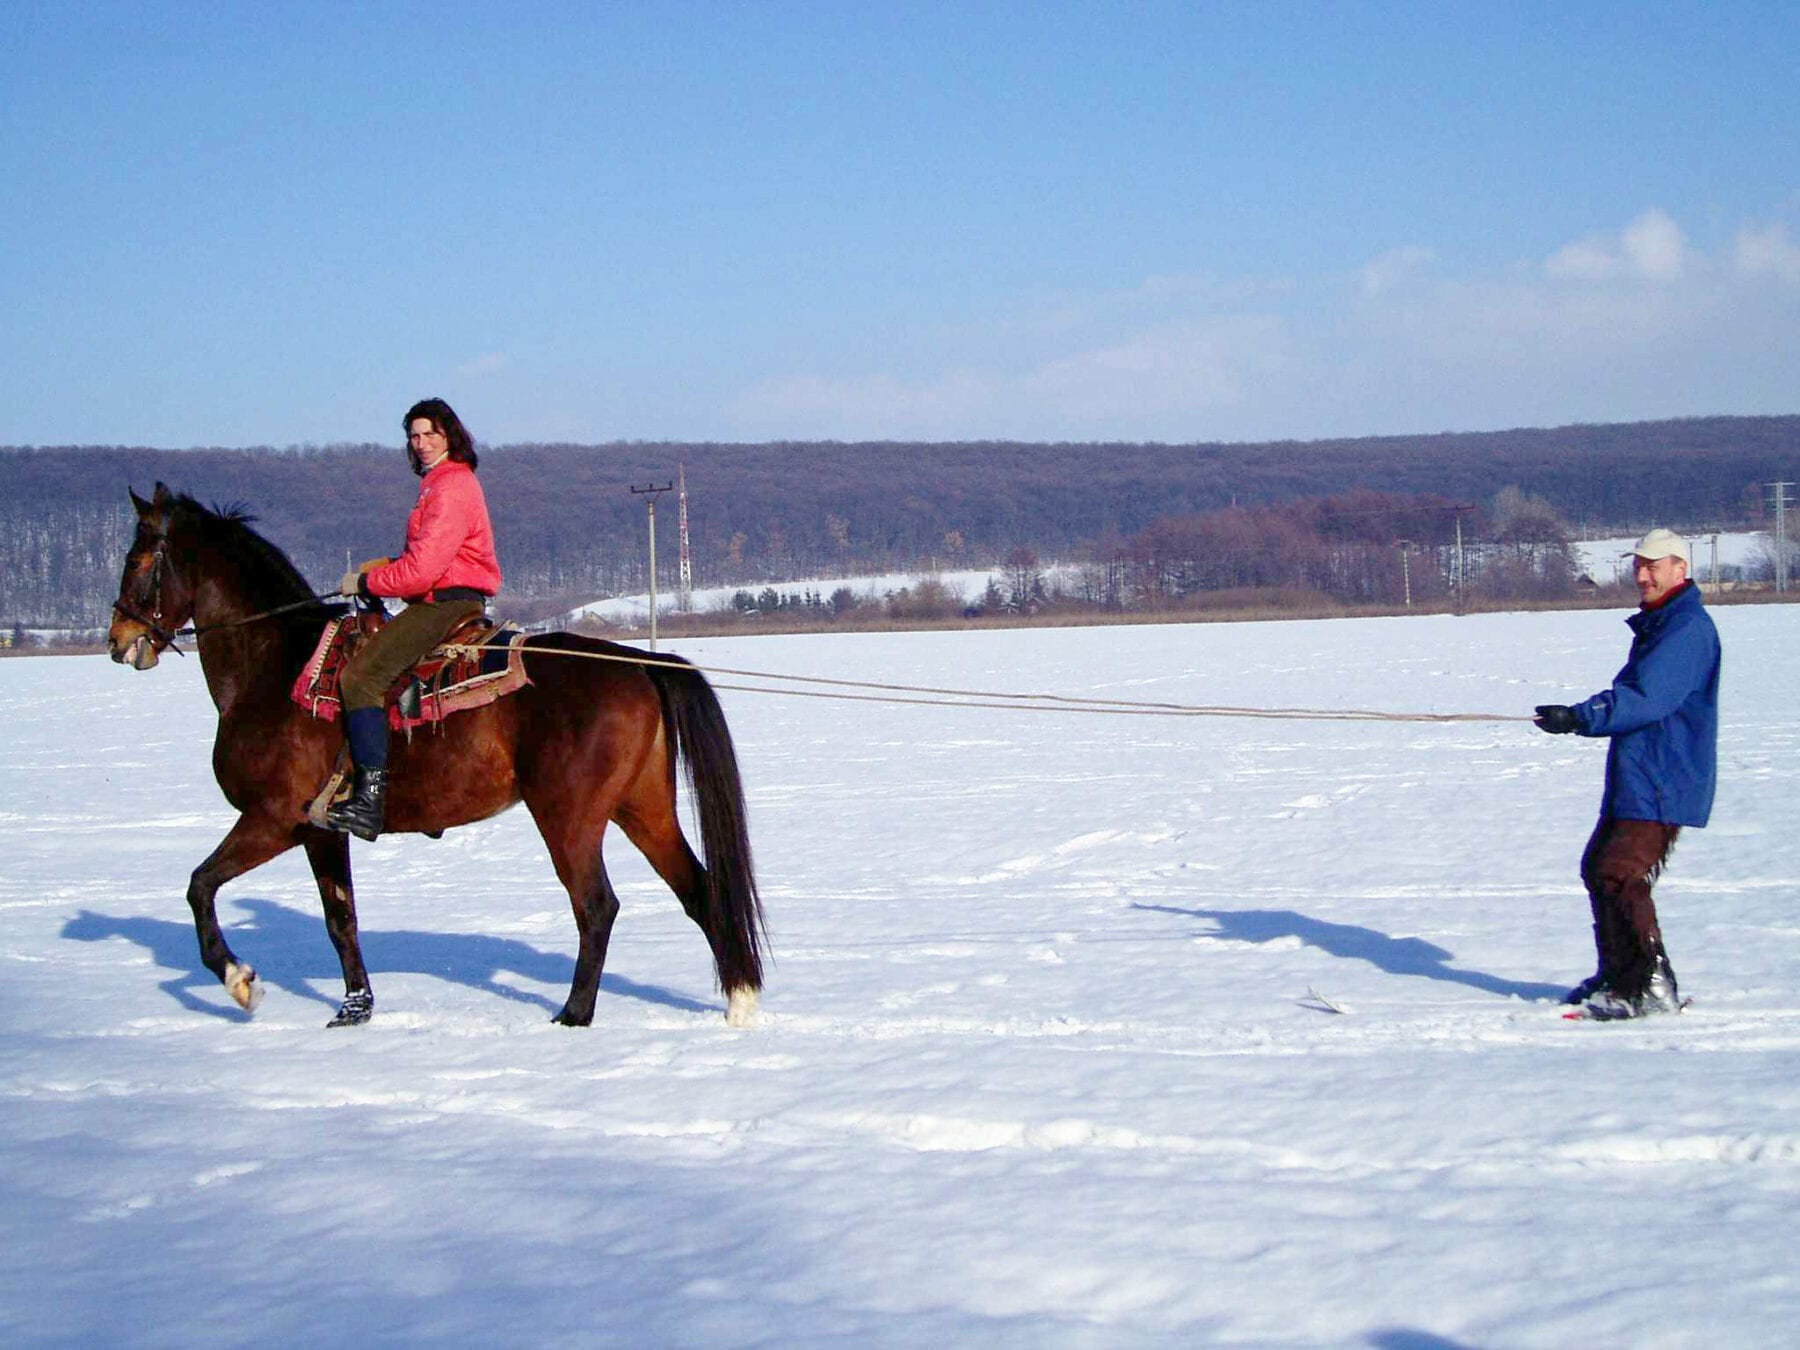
237, 224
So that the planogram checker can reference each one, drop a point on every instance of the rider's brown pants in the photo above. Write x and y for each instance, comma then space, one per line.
397, 647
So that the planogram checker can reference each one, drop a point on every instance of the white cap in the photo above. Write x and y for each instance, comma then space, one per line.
1660, 543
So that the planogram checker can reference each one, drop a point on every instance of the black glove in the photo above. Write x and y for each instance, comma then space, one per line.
1556, 718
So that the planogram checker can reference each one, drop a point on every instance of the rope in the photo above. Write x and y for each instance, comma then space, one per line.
1014, 702
195, 630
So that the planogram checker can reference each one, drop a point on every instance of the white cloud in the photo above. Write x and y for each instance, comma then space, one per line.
1169, 377
1395, 268
866, 406
1655, 246
1651, 248
1586, 261
1628, 324
488, 363
1766, 250
1177, 368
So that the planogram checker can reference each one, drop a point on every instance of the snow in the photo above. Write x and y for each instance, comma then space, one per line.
967, 585
1046, 1056
1600, 559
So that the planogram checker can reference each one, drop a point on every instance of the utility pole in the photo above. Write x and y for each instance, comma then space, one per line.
1459, 575
1779, 491
686, 605
1406, 571
650, 494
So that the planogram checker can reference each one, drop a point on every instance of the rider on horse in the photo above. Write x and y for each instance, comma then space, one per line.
446, 574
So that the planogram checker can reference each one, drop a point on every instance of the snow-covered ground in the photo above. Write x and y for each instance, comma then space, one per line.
1601, 559
1043, 1060
631, 608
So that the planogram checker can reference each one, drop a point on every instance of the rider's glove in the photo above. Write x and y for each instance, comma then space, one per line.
352, 582
1556, 718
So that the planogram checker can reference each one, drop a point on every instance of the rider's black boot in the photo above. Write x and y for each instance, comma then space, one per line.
361, 813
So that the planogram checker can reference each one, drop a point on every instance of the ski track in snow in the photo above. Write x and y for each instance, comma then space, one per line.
1079, 1031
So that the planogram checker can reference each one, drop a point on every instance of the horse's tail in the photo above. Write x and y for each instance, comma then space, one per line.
695, 725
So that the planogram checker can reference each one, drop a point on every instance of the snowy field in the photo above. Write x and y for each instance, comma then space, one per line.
968, 585
1601, 559
1043, 1060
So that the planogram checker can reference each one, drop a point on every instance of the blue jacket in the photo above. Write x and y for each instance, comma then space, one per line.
1662, 714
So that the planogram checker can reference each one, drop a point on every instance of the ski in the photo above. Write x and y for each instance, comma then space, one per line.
1591, 1014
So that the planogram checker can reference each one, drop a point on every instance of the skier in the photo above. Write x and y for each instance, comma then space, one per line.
1662, 716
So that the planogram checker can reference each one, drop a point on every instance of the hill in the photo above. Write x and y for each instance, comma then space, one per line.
569, 527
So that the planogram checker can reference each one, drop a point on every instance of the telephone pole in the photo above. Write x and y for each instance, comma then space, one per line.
1779, 491
686, 605
1459, 575
650, 494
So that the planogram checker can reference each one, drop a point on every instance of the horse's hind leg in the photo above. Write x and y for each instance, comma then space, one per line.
251, 842
575, 849
329, 854
596, 907
650, 822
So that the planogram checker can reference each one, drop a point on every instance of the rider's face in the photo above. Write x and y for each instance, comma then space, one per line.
427, 442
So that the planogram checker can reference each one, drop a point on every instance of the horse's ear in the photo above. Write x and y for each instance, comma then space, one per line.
143, 507
161, 498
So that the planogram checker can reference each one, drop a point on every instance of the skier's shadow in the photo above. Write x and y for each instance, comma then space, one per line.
290, 951
1397, 956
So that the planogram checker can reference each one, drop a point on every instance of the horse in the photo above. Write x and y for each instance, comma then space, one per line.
594, 737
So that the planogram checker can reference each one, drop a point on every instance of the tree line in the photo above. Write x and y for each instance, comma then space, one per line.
1286, 513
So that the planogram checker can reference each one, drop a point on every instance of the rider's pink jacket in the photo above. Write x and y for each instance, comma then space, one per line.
449, 541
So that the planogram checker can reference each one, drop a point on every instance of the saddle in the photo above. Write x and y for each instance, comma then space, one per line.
476, 663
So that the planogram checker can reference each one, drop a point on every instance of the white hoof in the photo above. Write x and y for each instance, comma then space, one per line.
741, 1010
243, 986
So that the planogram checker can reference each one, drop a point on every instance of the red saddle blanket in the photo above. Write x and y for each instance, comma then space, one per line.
475, 665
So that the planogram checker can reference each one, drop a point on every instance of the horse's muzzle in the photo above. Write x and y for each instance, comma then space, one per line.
139, 652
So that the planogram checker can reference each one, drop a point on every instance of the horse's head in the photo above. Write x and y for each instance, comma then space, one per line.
154, 599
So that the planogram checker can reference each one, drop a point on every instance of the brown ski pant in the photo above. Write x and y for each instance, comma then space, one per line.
1622, 860
397, 648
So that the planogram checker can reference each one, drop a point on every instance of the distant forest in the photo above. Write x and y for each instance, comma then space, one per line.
570, 529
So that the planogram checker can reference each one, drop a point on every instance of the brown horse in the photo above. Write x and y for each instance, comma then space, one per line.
587, 742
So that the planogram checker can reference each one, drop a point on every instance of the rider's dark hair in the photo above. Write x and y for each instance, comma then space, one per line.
442, 416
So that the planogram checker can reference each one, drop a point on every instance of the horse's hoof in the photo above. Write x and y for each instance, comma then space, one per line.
243, 986
356, 1009
740, 1010
565, 1018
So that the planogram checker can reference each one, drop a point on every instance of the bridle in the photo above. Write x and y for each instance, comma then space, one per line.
164, 638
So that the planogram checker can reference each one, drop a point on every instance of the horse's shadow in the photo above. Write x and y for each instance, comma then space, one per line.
292, 951
1397, 956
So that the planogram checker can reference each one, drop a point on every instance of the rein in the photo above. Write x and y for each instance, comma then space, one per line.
165, 638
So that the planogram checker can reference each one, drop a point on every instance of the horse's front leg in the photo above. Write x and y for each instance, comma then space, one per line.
329, 853
248, 844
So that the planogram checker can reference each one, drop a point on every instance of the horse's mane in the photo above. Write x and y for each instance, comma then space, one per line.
227, 528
